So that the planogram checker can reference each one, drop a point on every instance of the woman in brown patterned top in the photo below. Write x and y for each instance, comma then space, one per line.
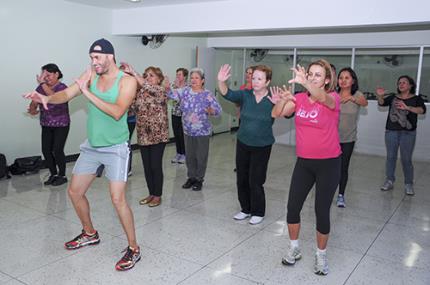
152, 128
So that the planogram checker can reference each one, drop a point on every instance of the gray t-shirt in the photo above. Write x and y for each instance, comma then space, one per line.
348, 120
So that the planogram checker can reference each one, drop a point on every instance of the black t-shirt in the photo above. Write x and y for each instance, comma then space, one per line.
397, 119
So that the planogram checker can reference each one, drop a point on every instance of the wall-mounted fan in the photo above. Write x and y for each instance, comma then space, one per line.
258, 54
393, 60
154, 41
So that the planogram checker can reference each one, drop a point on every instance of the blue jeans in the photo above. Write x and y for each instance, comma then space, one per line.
406, 141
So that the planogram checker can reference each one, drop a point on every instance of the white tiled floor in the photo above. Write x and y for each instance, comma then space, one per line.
380, 238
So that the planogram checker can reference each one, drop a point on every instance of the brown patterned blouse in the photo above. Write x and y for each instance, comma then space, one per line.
150, 106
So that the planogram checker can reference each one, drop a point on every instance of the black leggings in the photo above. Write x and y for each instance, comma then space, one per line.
324, 173
178, 132
53, 142
152, 158
347, 149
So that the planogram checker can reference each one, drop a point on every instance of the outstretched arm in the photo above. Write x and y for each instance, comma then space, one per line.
284, 101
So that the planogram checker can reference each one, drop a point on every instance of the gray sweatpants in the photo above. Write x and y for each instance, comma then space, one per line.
197, 151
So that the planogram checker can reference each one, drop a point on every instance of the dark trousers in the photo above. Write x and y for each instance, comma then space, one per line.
347, 149
131, 127
251, 166
53, 142
324, 173
178, 132
152, 158
197, 149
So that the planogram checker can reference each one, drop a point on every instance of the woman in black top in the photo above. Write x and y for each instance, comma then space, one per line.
401, 125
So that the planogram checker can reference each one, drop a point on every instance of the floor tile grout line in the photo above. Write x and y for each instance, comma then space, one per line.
374, 240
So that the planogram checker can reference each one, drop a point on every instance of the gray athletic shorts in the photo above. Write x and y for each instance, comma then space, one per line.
115, 159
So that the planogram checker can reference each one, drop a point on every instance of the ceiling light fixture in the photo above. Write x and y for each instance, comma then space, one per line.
134, 1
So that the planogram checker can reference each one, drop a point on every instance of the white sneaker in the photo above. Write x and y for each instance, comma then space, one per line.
175, 159
409, 189
255, 220
321, 264
181, 159
293, 254
241, 216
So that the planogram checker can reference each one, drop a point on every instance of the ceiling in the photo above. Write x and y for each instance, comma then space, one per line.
125, 4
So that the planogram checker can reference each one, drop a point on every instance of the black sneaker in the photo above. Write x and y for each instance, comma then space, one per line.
189, 183
59, 180
50, 180
197, 186
130, 258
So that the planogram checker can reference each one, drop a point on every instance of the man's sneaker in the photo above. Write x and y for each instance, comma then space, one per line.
321, 264
175, 159
256, 220
181, 159
409, 189
241, 216
388, 185
129, 259
130, 173
293, 254
340, 201
82, 240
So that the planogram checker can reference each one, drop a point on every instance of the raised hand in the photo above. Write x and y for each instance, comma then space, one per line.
380, 91
166, 83
281, 94
38, 98
127, 68
41, 77
299, 75
224, 73
32, 110
401, 105
83, 80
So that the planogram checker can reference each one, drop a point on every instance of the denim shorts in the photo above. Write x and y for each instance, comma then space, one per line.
115, 159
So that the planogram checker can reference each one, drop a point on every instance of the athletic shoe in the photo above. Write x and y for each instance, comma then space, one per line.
409, 189
256, 220
50, 180
388, 185
293, 254
83, 239
175, 159
241, 216
340, 201
321, 264
59, 180
181, 159
130, 258
130, 173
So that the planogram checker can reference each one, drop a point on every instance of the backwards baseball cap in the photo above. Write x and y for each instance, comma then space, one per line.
102, 46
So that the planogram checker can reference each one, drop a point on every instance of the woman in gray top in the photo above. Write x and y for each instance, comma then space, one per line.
351, 100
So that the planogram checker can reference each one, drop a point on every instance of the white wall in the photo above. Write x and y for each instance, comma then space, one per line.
61, 32
246, 15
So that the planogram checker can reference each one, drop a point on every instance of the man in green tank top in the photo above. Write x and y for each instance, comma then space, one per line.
110, 92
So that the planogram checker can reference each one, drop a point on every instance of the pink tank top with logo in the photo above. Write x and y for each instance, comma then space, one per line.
317, 134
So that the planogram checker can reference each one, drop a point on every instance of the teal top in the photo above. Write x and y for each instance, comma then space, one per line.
255, 118
102, 129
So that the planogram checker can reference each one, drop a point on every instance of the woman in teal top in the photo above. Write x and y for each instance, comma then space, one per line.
254, 140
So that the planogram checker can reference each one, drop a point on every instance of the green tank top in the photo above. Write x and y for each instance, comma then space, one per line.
102, 129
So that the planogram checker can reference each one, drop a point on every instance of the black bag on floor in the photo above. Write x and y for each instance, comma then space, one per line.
24, 165
4, 171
